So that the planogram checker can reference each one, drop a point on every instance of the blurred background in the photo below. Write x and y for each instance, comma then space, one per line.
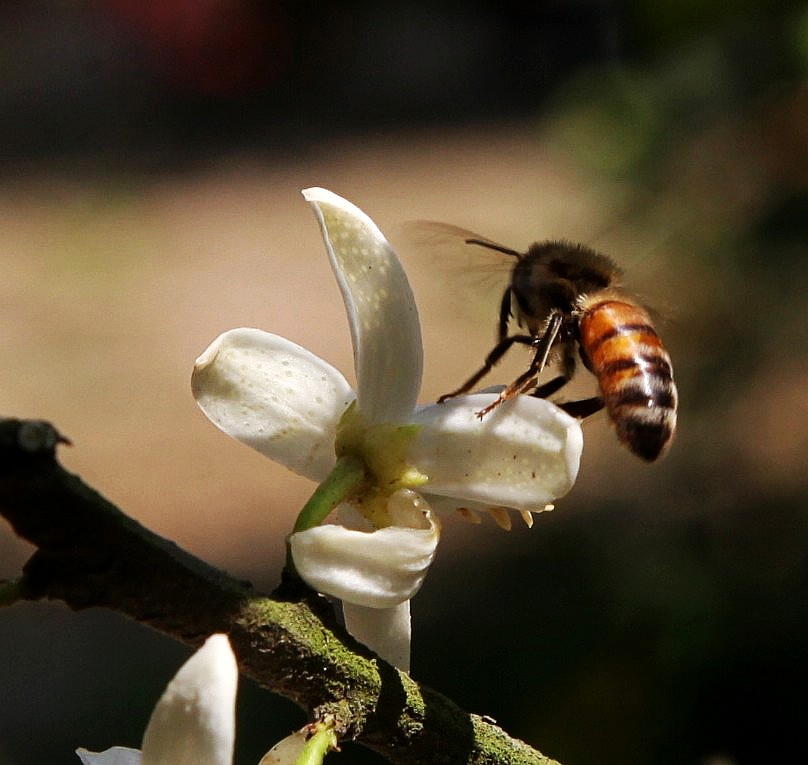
152, 157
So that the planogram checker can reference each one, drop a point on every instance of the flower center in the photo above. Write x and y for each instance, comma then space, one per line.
383, 449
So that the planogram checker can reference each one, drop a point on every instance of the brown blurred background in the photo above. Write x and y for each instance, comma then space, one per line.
149, 199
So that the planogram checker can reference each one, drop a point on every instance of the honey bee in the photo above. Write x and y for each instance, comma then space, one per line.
566, 298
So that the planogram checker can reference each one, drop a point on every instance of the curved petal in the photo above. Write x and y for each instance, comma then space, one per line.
386, 333
274, 396
376, 569
194, 721
117, 755
387, 631
522, 455
286, 751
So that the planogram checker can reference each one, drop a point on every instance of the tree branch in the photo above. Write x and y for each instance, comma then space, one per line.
91, 554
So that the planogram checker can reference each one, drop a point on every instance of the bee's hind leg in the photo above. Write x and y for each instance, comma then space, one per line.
542, 343
550, 387
493, 357
580, 409
568, 364
583, 408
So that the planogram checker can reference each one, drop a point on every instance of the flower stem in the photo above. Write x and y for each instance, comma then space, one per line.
318, 746
342, 481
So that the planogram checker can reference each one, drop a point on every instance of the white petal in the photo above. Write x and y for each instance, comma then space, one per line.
377, 569
387, 631
274, 396
522, 455
117, 755
286, 751
194, 721
381, 309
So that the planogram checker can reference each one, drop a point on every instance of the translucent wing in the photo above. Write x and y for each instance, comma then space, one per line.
464, 258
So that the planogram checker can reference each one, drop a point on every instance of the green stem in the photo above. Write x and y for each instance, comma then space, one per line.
342, 481
318, 746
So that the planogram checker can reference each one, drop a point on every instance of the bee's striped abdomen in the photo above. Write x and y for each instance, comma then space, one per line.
634, 372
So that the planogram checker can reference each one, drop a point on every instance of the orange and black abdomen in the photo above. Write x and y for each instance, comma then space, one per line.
622, 349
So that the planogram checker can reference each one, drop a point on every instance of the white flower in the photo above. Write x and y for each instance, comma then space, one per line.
194, 723
295, 408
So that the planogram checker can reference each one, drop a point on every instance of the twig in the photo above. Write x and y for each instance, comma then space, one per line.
90, 554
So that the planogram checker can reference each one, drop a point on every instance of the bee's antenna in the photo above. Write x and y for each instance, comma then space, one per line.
494, 246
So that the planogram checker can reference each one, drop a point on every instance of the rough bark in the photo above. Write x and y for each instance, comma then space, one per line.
90, 554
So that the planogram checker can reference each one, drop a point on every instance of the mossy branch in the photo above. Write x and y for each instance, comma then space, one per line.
91, 554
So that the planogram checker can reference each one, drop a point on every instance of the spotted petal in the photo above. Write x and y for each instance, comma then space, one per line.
274, 396
381, 308
522, 455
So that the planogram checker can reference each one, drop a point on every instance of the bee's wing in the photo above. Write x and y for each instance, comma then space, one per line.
466, 259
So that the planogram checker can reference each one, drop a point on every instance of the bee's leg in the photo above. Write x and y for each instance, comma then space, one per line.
504, 315
580, 409
543, 344
567, 371
583, 408
499, 350
551, 386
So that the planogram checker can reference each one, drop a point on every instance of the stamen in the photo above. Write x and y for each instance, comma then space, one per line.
502, 517
469, 515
